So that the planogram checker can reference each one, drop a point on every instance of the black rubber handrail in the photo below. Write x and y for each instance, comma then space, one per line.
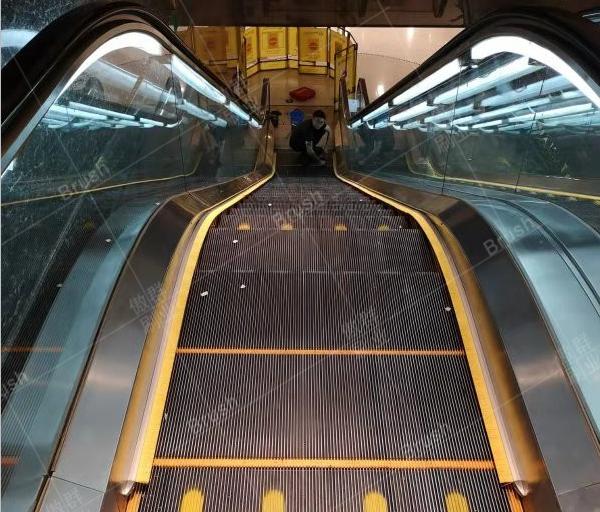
32, 78
568, 34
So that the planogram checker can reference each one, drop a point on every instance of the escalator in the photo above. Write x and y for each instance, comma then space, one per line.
320, 366
205, 323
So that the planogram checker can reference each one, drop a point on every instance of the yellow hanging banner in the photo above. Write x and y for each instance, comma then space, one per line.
186, 34
233, 46
272, 49
210, 44
312, 49
351, 68
292, 47
251, 39
337, 42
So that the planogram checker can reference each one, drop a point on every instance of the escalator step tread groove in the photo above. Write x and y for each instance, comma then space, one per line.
319, 327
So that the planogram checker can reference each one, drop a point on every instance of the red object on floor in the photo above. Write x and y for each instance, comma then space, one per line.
302, 93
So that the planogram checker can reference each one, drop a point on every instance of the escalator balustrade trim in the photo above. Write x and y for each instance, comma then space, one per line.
452, 278
318, 416
158, 395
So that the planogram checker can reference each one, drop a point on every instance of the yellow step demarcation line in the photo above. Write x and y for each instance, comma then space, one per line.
464, 464
514, 501
150, 435
451, 278
192, 501
375, 502
133, 504
316, 352
273, 501
456, 502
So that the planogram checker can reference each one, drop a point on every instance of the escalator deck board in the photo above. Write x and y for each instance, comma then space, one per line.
321, 367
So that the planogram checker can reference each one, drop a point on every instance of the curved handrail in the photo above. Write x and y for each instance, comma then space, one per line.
555, 28
39, 70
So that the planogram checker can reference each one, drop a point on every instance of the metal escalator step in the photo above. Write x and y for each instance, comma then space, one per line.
324, 222
331, 407
310, 355
297, 210
307, 310
322, 490
405, 250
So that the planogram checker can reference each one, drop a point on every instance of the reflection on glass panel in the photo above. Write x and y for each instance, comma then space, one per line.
514, 129
132, 127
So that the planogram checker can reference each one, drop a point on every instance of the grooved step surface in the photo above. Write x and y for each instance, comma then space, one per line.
304, 490
240, 221
320, 360
358, 407
320, 310
316, 251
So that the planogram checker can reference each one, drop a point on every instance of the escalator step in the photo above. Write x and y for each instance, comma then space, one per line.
324, 490
331, 407
320, 364
278, 251
323, 222
319, 310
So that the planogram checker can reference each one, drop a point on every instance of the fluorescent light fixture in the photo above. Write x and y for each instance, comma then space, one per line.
520, 126
429, 82
534, 90
463, 120
412, 125
513, 108
235, 109
151, 122
584, 119
515, 69
72, 112
254, 123
381, 124
377, 112
196, 81
220, 122
487, 124
98, 110
198, 112
529, 49
450, 113
555, 112
355, 124
126, 122
569, 95
138, 40
420, 108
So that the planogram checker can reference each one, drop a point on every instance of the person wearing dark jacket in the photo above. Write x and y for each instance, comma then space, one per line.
310, 137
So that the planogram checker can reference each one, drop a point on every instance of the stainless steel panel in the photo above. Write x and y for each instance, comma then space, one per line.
567, 445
